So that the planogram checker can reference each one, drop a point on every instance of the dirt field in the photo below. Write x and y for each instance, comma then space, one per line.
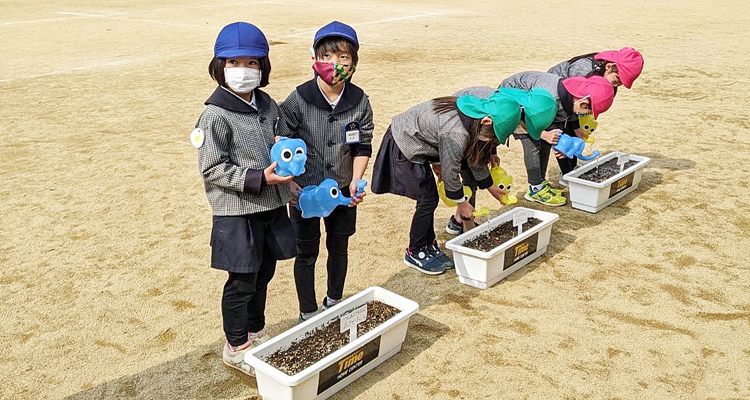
105, 285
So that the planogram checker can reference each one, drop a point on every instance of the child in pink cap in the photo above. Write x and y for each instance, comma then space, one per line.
576, 97
619, 67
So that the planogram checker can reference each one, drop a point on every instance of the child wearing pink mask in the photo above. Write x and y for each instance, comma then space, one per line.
619, 67
576, 97
334, 118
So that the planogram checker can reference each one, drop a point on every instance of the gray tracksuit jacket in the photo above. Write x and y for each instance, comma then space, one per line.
580, 67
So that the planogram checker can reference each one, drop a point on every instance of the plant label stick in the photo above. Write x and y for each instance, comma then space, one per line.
519, 219
350, 321
621, 160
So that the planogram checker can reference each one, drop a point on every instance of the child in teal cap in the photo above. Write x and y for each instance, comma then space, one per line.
446, 131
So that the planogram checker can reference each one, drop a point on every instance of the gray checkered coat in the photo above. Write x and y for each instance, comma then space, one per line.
236, 149
307, 115
423, 135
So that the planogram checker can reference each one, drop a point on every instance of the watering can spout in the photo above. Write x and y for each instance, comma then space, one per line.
593, 155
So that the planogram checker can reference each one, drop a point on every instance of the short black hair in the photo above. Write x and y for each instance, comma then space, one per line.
216, 70
333, 44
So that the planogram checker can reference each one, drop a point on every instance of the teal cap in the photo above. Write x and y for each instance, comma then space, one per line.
503, 109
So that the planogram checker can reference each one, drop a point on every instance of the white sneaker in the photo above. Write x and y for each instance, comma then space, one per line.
234, 357
258, 338
563, 182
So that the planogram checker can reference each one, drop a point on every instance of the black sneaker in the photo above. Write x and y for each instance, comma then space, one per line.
440, 255
424, 261
454, 227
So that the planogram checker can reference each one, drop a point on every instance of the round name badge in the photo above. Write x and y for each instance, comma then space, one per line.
353, 132
197, 137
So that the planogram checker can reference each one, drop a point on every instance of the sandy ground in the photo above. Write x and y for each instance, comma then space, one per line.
105, 284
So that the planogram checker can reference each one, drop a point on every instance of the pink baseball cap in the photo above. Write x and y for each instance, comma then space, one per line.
597, 88
629, 63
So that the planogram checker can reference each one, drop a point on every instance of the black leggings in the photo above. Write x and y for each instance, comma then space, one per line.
422, 232
243, 304
567, 164
340, 225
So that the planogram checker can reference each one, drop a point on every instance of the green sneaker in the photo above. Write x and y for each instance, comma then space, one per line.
557, 192
546, 196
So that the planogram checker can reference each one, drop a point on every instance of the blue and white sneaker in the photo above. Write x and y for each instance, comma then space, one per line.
440, 255
424, 261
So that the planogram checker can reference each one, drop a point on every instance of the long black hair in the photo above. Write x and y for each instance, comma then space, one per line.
482, 138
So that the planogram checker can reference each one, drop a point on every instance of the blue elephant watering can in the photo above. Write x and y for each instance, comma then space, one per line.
321, 200
573, 147
291, 155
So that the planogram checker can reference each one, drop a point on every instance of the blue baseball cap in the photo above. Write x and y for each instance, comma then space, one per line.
339, 29
240, 39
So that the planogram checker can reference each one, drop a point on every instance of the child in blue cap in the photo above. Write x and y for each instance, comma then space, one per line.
251, 229
334, 118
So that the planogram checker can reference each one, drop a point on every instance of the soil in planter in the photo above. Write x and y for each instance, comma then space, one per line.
605, 171
499, 235
327, 339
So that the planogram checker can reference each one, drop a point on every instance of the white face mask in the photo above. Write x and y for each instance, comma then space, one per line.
242, 79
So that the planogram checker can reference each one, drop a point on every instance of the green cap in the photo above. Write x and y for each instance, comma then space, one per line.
539, 108
504, 111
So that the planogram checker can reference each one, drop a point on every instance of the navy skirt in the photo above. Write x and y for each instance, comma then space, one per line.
394, 173
239, 243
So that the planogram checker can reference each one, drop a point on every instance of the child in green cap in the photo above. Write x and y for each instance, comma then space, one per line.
445, 131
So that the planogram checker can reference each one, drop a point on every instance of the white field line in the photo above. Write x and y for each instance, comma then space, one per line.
112, 16
84, 68
76, 16
373, 22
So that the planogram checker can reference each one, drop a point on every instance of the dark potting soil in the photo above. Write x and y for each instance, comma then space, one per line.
327, 339
605, 171
499, 235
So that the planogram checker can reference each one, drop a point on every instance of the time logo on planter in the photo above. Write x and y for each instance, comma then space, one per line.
520, 251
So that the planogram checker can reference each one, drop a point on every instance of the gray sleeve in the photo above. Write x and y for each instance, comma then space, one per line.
516, 81
483, 92
560, 70
213, 157
451, 153
581, 67
482, 176
290, 116
364, 147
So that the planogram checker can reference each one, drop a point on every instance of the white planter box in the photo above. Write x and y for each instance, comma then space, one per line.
591, 196
483, 269
334, 372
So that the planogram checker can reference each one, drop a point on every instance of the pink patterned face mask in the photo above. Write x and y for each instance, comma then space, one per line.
333, 73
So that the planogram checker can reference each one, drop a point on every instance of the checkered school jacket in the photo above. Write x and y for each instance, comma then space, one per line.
553, 84
235, 151
423, 135
307, 115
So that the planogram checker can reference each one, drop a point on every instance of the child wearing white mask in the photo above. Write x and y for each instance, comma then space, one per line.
251, 229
